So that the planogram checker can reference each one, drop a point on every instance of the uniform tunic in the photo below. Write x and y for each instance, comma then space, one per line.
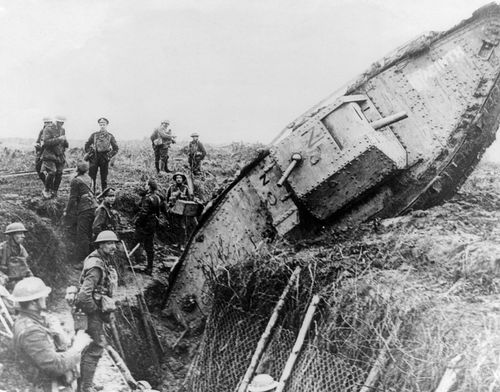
102, 155
196, 153
13, 262
36, 349
161, 139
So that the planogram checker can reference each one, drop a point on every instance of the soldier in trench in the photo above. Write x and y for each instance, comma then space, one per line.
147, 221
179, 190
46, 356
80, 210
13, 256
98, 283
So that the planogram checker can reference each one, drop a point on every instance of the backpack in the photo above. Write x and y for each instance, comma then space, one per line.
102, 141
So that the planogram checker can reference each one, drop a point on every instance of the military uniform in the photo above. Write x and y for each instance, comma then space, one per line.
196, 153
98, 282
161, 139
106, 218
102, 147
81, 210
38, 156
53, 156
146, 223
178, 192
36, 347
13, 262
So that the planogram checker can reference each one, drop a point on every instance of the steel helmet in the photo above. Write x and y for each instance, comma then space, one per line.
165, 122
194, 134
105, 236
82, 167
15, 227
262, 383
47, 120
184, 178
60, 119
29, 289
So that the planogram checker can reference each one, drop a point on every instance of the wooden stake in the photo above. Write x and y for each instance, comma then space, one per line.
116, 336
380, 362
262, 344
287, 371
122, 366
450, 375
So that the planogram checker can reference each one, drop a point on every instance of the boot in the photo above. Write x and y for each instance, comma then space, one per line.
149, 268
87, 371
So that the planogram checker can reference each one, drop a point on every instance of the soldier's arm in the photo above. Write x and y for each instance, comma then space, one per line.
49, 139
201, 148
85, 297
114, 146
39, 138
154, 136
3, 262
89, 143
41, 351
99, 221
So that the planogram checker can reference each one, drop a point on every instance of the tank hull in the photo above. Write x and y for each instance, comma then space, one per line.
448, 86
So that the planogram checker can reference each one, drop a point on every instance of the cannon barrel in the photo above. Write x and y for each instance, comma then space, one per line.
384, 121
296, 158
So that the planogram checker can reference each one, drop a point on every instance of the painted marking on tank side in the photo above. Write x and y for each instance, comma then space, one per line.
264, 178
315, 137
423, 78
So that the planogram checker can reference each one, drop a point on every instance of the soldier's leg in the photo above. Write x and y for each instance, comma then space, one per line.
92, 354
93, 171
157, 160
104, 173
58, 177
38, 168
150, 252
84, 233
50, 168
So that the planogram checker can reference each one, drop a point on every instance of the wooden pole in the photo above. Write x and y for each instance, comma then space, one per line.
29, 173
450, 375
262, 344
122, 366
116, 335
380, 362
287, 371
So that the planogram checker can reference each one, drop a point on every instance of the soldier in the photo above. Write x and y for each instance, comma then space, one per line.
106, 218
161, 139
80, 210
179, 190
98, 282
100, 148
53, 156
196, 153
39, 149
36, 343
146, 220
13, 256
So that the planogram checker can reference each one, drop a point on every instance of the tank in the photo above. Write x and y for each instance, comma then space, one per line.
402, 136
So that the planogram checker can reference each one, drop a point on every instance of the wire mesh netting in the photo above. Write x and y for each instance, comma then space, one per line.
325, 363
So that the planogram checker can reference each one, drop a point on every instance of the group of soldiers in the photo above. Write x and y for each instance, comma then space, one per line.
100, 148
51, 358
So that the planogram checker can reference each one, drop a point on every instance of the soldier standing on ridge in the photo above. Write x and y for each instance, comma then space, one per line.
13, 256
161, 139
146, 220
39, 149
100, 148
98, 282
53, 158
37, 345
81, 209
196, 153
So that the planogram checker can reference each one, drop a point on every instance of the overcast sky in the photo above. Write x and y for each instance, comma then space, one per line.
230, 70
